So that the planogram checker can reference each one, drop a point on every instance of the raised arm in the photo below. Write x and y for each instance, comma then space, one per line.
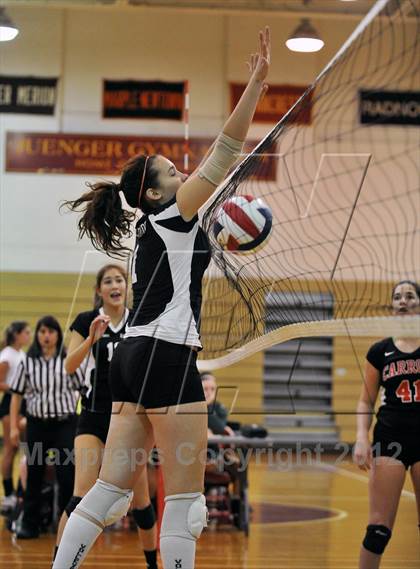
364, 414
238, 123
201, 184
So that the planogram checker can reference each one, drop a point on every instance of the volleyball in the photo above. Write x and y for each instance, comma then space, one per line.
243, 225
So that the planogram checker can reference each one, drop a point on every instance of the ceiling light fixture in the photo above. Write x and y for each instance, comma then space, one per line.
8, 30
305, 38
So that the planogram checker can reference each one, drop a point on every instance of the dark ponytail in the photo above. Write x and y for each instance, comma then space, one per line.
104, 220
12, 331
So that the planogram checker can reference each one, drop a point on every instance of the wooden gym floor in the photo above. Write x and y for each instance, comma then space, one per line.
305, 516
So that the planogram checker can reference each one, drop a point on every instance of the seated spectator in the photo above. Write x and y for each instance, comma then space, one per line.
217, 412
222, 460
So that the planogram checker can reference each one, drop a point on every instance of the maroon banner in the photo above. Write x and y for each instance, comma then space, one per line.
105, 154
276, 102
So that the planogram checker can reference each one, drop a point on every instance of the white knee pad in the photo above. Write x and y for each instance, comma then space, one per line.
185, 516
223, 156
105, 503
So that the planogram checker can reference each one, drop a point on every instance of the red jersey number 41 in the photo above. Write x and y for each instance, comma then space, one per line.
404, 392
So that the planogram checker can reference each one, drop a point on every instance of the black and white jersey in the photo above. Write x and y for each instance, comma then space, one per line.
48, 389
169, 261
399, 384
96, 394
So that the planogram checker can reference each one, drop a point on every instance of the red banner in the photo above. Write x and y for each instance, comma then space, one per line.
276, 102
104, 154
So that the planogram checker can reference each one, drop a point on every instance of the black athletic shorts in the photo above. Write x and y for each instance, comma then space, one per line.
403, 446
5, 405
154, 373
93, 423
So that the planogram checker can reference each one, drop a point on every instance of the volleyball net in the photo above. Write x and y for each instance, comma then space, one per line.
344, 195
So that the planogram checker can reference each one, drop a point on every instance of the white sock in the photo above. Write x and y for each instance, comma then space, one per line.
177, 552
78, 537
184, 518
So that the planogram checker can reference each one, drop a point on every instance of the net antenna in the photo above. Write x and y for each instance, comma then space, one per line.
344, 199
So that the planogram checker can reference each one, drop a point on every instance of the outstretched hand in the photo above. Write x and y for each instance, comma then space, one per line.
259, 63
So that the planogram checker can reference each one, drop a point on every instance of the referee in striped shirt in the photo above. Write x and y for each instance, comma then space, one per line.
51, 398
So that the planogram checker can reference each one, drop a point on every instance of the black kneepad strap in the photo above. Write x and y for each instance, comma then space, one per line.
73, 502
376, 538
146, 518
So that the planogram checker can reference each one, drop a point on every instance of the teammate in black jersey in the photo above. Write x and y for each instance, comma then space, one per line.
94, 337
156, 388
393, 366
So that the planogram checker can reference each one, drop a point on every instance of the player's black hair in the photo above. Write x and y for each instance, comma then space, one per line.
12, 331
35, 350
104, 219
415, 285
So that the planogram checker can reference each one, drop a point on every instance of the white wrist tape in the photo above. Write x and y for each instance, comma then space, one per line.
223, 156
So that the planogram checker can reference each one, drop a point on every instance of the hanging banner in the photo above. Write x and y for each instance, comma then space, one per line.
389, 107
28, 95
143, 99
276, 102
105, 155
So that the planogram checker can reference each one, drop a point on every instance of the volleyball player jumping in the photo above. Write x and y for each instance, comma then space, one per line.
156, 388
393, 364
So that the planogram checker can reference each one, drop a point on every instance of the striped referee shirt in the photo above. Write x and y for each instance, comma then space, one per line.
48, 389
